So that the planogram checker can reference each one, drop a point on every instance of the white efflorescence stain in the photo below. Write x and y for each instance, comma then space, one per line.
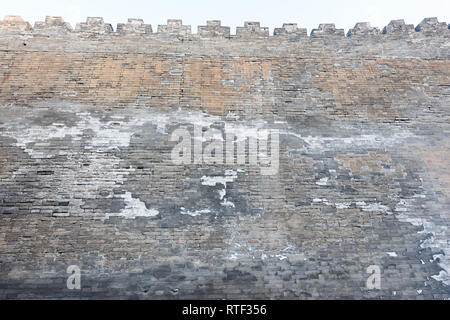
406, 212
194, 213
392, 254
134, 208
229, 176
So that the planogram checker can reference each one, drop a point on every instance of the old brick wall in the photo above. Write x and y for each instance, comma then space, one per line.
86, 176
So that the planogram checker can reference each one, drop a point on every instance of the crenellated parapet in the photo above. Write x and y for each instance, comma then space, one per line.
290, 31
174, 27
213, 29
326, 30
252, 30
94, 25
431, 26
363, 29
55, 26
14, 24
134, 26
52, 25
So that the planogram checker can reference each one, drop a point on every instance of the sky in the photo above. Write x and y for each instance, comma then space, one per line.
307, 14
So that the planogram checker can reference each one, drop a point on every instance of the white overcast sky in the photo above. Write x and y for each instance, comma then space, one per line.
307, 14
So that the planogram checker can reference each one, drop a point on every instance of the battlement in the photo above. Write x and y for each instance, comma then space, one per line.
290, 30
55, 26
213, 29
363, 29
432, 26
174, 27
52, 25
252, 30
14, 24
327, 29
94, 25
398, 27
134, 26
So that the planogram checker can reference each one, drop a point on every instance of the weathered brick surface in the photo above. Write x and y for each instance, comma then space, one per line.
86, 176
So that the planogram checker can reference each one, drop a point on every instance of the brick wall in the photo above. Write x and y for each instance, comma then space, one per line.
86, 176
